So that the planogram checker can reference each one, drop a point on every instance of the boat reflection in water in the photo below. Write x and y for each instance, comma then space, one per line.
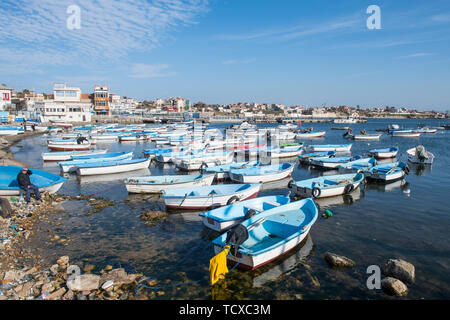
420, 169
286, 266
273, 185
347, 199
387, 187
112, 176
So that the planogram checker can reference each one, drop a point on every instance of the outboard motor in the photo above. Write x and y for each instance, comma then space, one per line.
236, 236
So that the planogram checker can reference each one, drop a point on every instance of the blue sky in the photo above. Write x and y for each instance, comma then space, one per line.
307, 52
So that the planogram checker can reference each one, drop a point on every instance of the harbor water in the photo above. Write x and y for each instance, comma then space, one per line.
375, 223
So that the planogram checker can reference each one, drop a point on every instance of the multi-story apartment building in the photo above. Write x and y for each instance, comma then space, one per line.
68, 105
101, 100
5, 96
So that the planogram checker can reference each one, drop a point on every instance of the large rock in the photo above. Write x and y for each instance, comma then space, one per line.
118, 277
337, 261
63, 261
84, 282
400, 269
393, 286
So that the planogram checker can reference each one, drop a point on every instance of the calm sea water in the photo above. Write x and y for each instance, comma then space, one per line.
372, 225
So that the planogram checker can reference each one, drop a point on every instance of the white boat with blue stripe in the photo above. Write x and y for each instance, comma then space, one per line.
271, 234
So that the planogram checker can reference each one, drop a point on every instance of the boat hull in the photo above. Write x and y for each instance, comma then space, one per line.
145, 188
112, 169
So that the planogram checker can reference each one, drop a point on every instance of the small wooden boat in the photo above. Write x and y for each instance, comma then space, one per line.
308, 135
69, 155
271, 234
209, 196
358, 165
10, 131
221, 172
261, 174
105, 137
107, 167
69, 147
45, 181
331, 162
134, 137
405, 133
366, 137
385, 153
306, 158
387, 171
425, 130
331, 147
327, 186
156, 184
285, 152
223, 218
419, 155
196, 162
71, 165
68, 141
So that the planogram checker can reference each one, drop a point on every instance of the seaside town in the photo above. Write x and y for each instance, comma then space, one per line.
70, 104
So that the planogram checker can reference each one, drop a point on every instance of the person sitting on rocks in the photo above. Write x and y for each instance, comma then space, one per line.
23, 178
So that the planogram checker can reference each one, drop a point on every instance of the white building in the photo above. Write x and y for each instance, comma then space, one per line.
5, 97
68, 105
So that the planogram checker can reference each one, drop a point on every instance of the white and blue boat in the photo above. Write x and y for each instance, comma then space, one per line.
45, 181
271, 234
358, 165
156, 184
71, 165
208, 197
387, 171
327, 186
226, 217
69, 155
331, 147
112, 166
10, 130
221, 172
384, 153
261, 174
305, 158
331, 162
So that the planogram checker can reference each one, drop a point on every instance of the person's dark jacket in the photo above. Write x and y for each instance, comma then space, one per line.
24, 179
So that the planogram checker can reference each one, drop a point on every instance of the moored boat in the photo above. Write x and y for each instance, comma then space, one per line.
262, 174
71, 165
209, 196
358, 165
45, 181
384, 153
69, 147
223, 218
221, 172
107, 167
420, 155
331, 147
306, 158
69, 155
327, 186
156, 184
271, 234
387, 171
331, 162
307, 135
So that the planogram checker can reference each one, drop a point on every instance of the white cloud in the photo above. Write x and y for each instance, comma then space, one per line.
236, 61
141, 70
415, 55
110, 29
290, 33
441, 17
